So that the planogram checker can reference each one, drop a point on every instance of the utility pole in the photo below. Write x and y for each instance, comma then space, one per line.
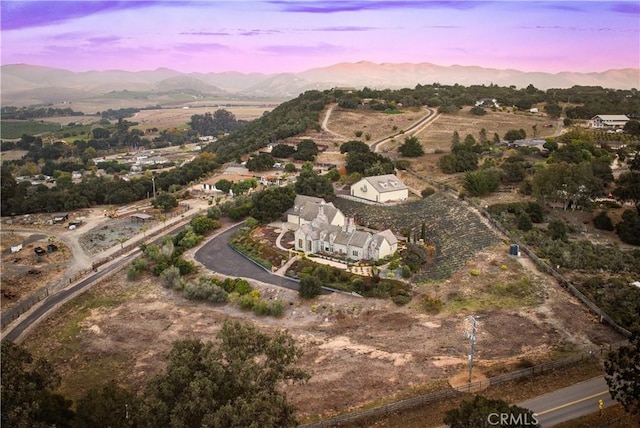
153, 181
471, 335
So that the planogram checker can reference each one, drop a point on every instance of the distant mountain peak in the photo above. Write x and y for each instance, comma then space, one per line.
25, 79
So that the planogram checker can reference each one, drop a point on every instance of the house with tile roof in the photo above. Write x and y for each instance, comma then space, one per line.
380, 188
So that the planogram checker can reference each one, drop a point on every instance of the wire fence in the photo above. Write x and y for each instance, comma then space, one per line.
14, 313
546, 268
376, 413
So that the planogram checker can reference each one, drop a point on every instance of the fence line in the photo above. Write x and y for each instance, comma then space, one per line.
541, 264
421, 400
544, 266
13, 313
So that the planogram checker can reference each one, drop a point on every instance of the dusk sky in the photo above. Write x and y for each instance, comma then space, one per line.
293, 36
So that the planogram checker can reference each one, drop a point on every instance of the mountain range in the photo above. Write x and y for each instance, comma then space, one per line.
24, 84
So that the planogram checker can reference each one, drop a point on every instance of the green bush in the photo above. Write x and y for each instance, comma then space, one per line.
276, 308
602, 221
185, 266
401, 299
629, 228
427, 191
247, 301
431, 305
205, 290
141, 265
524, 222
242, 287
310, 287
170, 277
133, 274
406, 271
261, 307
558, 230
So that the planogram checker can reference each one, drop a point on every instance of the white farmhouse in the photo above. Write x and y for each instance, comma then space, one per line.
609, 121
380, 188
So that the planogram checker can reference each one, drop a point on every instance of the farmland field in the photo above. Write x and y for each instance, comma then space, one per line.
12, 129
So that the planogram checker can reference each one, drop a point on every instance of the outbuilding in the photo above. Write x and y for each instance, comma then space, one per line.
380, 188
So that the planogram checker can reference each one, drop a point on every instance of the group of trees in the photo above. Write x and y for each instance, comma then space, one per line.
287, 120
233, 382
362, 161
28, 113
585, 101
219, 122
24, 198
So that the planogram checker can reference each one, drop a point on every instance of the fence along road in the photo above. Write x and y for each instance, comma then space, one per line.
551, 406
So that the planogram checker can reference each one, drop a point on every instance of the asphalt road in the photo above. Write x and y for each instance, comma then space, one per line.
571, 402
218, 256
60, 297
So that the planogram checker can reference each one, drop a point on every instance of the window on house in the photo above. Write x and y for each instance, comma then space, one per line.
355, 253
300, 243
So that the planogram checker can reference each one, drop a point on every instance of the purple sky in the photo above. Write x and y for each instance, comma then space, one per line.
292, 36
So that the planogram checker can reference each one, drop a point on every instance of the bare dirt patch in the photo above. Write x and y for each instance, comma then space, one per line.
110, 234
363, 351
178, 117
24, 272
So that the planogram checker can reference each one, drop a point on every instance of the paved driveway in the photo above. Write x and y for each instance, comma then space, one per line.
218, 256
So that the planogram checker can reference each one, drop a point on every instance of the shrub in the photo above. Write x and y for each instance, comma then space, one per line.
427, 191
629, 228
401, 299
276, 308
310, 287
524, 222
431, 305
170, 277
406, 271
474, 272
185, 266
481, 183
133, 274
205, 290
214, 213
246, 302
242, 287
141, 265
603, 222
558, 230
261, 307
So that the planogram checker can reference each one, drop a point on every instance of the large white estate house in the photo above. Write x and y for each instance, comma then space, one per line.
322, 228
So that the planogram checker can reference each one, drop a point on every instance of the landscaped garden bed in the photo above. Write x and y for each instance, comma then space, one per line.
455, 230
367, 286
256, 244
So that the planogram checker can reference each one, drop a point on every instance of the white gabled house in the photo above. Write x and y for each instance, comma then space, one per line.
380, 188
305, 210
322, 228
608, 121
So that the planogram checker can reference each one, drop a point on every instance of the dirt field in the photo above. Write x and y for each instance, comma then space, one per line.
176, 117
23, 273
360, 350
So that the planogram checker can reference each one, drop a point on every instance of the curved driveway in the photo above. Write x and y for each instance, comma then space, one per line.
218, 256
